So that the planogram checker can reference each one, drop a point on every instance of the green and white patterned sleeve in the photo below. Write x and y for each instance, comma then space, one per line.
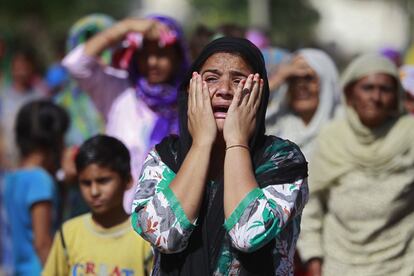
264, 213
156, 213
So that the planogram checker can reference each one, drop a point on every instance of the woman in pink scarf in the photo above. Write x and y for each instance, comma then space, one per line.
139, 102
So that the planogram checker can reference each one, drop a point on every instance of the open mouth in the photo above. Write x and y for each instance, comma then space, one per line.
220, 111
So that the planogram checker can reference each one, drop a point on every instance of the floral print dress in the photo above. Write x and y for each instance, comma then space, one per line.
273, 212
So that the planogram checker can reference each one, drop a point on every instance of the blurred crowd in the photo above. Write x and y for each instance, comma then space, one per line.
94, 115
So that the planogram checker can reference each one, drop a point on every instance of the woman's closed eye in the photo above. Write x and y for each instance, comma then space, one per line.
236, 81
211, 79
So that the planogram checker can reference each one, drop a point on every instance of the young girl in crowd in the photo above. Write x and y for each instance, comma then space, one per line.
139, 107
223, 198
101, 242
29, 192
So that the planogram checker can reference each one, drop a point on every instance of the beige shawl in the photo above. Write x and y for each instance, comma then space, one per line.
360, 216
347, 144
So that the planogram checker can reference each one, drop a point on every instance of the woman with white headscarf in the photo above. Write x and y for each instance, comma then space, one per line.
359, 218
306, 98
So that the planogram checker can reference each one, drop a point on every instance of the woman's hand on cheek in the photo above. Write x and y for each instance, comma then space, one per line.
201, 123
241, 116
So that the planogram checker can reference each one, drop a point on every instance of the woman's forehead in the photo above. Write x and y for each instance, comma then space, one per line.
226, 62
377, 77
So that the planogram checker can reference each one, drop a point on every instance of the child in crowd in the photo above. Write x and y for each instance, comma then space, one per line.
140, 103
29, 194
101, 242
24, 85
86, 120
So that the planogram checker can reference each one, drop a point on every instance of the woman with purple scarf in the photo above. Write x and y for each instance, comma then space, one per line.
137, 94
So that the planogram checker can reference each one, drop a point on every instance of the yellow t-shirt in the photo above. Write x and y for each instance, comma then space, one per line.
93, 250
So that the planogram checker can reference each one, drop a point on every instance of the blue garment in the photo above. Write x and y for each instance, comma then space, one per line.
273, 56
22, 189
6, 262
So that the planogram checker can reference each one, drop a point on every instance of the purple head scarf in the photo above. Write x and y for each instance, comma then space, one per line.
162, 97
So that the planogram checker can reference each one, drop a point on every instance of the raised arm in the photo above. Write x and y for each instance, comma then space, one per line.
103, 83
189, 184
164, 214
239, 177
149, 28
275, 210
41, 213
254, 216
39, 196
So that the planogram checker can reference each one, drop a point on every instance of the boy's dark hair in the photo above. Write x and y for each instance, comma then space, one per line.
105, 151
41, 125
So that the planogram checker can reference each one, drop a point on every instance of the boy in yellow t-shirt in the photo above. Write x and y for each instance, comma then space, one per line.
101, 242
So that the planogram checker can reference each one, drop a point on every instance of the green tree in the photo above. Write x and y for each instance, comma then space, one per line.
43, 22
292, 21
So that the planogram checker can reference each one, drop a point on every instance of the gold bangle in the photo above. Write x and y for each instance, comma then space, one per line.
239, 146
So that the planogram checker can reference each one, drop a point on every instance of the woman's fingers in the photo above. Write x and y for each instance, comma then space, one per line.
199, 92
192, 91
189, 92
155, 30
237, 97
300, 67
152, 32
247, 89
255, 90
206, 94
259, 95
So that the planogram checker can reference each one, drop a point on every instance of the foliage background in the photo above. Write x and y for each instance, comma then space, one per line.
45, 23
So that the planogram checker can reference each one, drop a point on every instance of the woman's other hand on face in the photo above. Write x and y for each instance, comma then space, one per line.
241, 117
201, 123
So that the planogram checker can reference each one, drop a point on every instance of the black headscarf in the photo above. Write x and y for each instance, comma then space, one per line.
202, 253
